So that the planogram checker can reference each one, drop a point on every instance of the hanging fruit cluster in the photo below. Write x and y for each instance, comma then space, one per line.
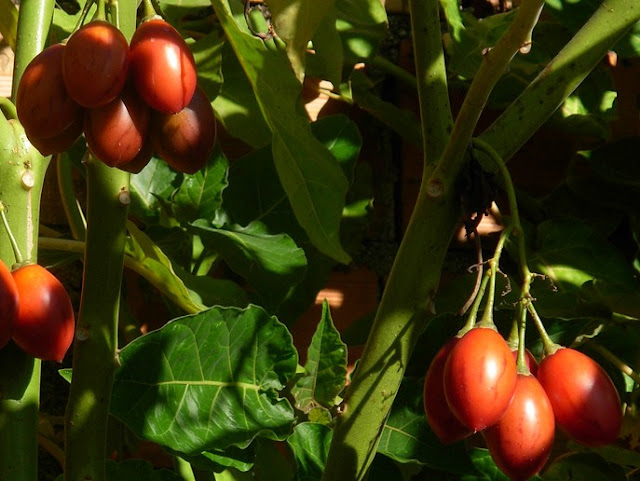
478, 383
129, 100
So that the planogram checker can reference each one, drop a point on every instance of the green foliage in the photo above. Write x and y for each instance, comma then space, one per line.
207, 381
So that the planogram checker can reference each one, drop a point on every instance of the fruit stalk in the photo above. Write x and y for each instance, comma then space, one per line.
21, 166
95, 346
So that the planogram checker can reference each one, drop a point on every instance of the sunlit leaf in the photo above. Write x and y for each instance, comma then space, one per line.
8, 22
207, 381
312, 179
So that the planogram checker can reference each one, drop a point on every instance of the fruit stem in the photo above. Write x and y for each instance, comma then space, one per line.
101, 13
616, 361
475, 307
83, 16
521, 360
548, 346
8, 109
12, 239
494, 262
73, 210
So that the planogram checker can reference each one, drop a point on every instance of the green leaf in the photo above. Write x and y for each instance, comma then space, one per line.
207, 381
218, 460
362, 25
583, 467
407, 438
481, 459
272, 461
211, 291
154, 184
236, 106
312, 179
571, 253
200, 195
326, 62
136, 470
207, 52
270, 263
325, 369
310, 445
155, 266
8, 22
296, 21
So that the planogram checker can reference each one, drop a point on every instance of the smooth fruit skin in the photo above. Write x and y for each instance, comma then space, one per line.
584, 399
443, 422
61, 142
520, 443
162, 66
116, 132
45, 324
95, 64
44, 106
479, 378
185, 140
8, 304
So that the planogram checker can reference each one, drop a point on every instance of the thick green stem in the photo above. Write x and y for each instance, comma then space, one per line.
431, 76
95, 347
22, 171
96, 341
561, 76
33, 27
494, 63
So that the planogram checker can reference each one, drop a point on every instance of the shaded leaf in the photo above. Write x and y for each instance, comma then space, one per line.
270, 263
200, 195
218, 460
326, 366
296, 22
572, 253
326, 62
136, 470
407, 437
583, 467
207, 381
313, 181
310, 445
148, 260
362, 25
210, 291
156, 182
207, 52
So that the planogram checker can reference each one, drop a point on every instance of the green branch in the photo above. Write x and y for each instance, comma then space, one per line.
22, 171
561, 76
431, 76
96, 340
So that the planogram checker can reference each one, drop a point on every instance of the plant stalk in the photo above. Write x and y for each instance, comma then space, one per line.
22, 171
95, 356
96, 341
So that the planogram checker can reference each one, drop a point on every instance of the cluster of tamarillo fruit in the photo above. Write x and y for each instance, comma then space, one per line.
129, 100
473, 385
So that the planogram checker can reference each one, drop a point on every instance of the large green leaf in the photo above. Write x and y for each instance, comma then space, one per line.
325, 369
327, 59
200, 195
207, 52
270, 263
207, 381
310, 445
137, 470
407, 438
296, 22
315, 185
